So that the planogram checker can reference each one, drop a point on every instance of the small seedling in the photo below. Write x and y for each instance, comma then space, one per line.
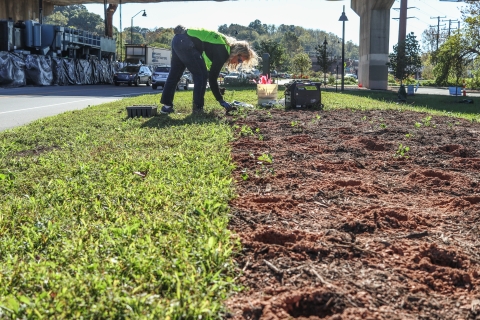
317, 118
246, 131
244, 175
427, 121
383, 125
266, 157
294, 123
409, 135
418, 124
364, 118
402, 151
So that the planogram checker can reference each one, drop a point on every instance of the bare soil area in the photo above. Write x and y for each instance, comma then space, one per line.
356, 215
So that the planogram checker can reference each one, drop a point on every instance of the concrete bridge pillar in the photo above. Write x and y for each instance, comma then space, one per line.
374, 37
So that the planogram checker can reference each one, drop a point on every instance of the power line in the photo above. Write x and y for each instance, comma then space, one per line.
426, 3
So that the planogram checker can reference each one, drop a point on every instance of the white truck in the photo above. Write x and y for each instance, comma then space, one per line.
143, 54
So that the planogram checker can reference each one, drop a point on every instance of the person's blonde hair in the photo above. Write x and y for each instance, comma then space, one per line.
241, 48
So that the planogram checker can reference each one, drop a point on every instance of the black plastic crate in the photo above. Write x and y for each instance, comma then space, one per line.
141, 111
303, 94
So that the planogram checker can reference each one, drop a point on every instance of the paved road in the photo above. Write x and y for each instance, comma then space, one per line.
19, 106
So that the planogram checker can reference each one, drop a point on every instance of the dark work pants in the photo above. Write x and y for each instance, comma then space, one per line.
185, 55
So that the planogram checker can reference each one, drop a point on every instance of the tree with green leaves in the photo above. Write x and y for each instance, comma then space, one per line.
301, 63
405, 60
232, 30
57, 19
258, 27
276, 51
249, 35
291, 43
427, 66
160, 38
78, 17
322, 58
450, 61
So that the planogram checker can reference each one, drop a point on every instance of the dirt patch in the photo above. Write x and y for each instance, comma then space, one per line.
36, 151
356, 215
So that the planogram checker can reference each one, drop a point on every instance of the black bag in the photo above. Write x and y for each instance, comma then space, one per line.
303, 94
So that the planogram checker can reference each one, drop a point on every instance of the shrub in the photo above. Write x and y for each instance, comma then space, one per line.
473, 83
428, 83
350, 80
391, 79
331, 79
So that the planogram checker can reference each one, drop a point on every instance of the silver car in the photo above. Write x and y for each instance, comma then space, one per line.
160, 75
133, 75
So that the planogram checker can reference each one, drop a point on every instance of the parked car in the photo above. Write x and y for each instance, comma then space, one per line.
351, 75
133, 75
233, 77
253, 74
283, 75
160, 76
188, 75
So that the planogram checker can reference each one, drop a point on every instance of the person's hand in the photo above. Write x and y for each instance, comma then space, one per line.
226, 105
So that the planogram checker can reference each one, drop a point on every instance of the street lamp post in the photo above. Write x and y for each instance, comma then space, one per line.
343, 18
336, 80
131, 29
325, 62
121, 33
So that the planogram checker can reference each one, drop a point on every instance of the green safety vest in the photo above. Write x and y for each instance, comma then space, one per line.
210, 37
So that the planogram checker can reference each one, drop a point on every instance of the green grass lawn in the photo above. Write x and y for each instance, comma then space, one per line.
436, 104
104, 216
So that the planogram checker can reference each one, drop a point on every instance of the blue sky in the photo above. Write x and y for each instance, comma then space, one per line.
310, 14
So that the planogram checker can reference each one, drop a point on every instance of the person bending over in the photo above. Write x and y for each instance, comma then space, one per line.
204, 53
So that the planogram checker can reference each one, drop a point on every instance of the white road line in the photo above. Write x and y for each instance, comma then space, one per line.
51, 105
58, 104
135, 93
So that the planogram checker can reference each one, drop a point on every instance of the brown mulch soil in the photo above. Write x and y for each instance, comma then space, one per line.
345, 223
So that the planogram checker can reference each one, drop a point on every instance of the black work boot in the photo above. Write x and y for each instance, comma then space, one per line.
196, 109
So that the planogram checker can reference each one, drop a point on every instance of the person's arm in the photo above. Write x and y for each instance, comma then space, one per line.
213, 80
218, 55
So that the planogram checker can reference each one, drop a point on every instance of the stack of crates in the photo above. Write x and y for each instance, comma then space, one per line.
141, 111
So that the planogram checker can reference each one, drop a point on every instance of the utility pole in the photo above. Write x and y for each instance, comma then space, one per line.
105, 15
449, 24
438, 26
121, 33
402, 28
